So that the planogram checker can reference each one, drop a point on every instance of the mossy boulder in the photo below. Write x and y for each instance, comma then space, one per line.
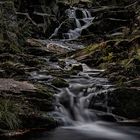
25, 104
77, 68
60, 83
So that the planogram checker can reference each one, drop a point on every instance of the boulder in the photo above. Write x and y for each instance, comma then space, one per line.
122, 102
25, 102
41, 47
64, 27
104, 26
60, 83
77, 67
10, 85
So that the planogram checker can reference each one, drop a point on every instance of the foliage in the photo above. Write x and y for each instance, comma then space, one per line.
9, 114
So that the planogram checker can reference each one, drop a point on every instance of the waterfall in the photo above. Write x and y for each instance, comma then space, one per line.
78, 24
73, 102
75, 33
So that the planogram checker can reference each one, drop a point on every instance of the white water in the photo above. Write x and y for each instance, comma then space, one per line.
75, 33
73, 102
81, 123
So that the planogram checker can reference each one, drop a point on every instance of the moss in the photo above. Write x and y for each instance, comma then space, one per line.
103, 66
32, 61
60, 83
43, 90
122, 52
12, 69
108, 58
91, 48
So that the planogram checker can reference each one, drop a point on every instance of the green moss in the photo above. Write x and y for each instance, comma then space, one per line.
91, 48
60, 83
43, 91
13, 69
108, 58
103, 66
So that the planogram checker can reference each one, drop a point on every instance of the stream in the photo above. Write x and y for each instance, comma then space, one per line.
81, 23
78, 122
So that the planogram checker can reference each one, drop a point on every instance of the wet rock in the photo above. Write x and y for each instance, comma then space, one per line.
135, 122
60, 83
64, 28
77, 67
126, 102
58, 49
108, 117
98, 106
122, 102
37, 47
62, 63
10, 85
104, 26
38, 120
79, 14
53, 59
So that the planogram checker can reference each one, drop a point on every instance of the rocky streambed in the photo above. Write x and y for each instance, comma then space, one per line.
85, 77
82, 101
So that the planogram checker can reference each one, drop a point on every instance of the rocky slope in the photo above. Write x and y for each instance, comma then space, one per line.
24, 102
28, 79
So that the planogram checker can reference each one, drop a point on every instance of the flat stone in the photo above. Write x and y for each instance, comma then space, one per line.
57, 48
10, 85
48, 47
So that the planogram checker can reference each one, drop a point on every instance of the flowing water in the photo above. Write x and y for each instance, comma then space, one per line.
73, 102
86, 20
77, 120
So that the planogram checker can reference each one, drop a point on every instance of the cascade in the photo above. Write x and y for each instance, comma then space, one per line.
72, 103
76, 32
